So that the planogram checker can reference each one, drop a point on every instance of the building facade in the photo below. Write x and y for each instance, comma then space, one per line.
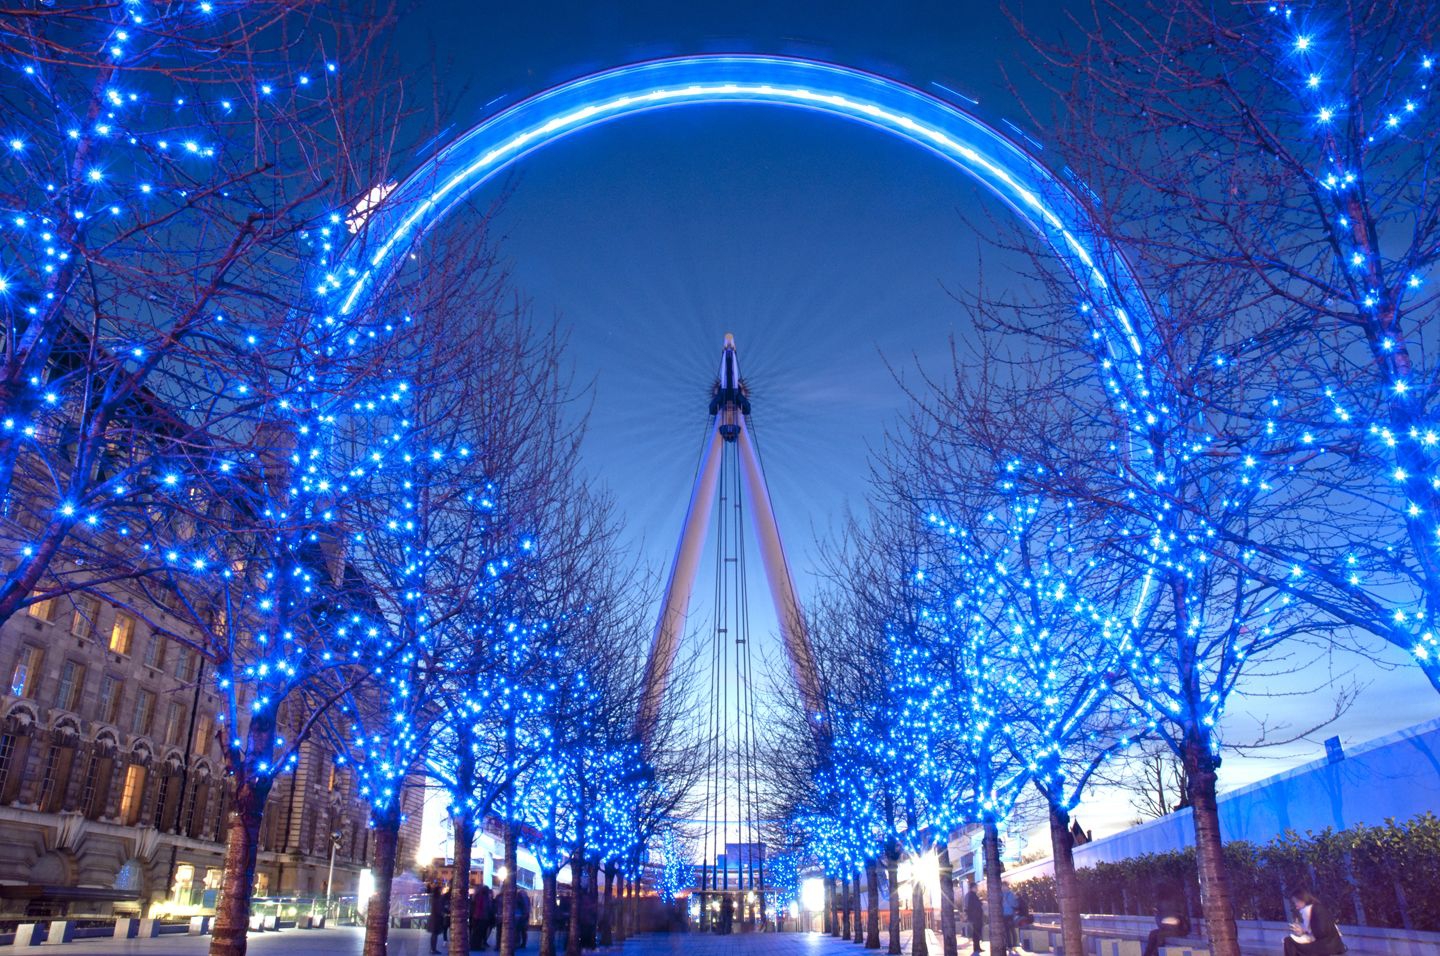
113, 797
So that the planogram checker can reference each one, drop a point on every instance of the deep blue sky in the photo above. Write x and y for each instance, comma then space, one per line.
827, 248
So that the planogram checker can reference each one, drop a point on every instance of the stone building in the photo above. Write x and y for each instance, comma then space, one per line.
112, 790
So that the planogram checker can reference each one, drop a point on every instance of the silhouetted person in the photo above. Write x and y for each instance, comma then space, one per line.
482, 914
522, 918
974, 914
1172, 918
727, 914
439, 914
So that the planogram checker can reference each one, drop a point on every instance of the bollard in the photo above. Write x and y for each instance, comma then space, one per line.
27, 934
149, 928
199, 926
61, 931
126, 928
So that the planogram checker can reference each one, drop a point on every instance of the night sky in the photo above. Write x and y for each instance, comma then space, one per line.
831, 250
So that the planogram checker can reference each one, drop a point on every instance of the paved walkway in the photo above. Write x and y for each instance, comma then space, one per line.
347, 942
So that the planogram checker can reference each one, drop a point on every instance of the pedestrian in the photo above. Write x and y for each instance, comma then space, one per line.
481, 908
522, 918
1171, 917
562, 921
1314, 932
1009, 906
974, 914
439, 914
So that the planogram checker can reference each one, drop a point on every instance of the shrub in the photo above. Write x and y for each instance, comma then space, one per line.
1369, 875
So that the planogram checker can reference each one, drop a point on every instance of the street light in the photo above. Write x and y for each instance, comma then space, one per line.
330, 877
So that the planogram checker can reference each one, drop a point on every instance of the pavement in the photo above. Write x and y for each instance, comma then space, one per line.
347, 941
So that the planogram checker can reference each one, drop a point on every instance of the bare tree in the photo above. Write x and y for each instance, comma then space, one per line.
1290, 145
163, 172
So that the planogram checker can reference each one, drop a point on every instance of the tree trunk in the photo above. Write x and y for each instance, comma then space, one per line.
1067, 884
464, 824
826, 915
995, 892
1201, 767
857, 901
237, 887
620, 884
872, 920
631, 917
947, 901
377, 913
845, 907
548, 884
919, 939
607, 928
892, 873
507, 893
592, 931
577, 901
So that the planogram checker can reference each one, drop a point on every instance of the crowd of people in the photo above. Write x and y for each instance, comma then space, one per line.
485, 916
1013, 908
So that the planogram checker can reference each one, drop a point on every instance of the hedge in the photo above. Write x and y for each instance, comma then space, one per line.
1385, 876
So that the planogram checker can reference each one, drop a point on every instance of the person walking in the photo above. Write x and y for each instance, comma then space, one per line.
974, 915
439, 914
482, 906
1314, 932
522, 918
1172, 918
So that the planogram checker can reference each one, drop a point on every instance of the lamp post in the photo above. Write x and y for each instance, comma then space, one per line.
330, 877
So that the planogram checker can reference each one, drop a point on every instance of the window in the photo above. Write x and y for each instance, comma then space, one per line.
7, 756
72, 682
112, 690
155, 651
26, 672
82, 619
87, 791
160, 798
47, 777
204, 730
186, 664
122, 633
174, 722
143, 713
43, 610
133, 793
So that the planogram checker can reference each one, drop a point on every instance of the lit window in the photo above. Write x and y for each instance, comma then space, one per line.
42, 610
131, 796
82, 619
26, 672
122, 633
